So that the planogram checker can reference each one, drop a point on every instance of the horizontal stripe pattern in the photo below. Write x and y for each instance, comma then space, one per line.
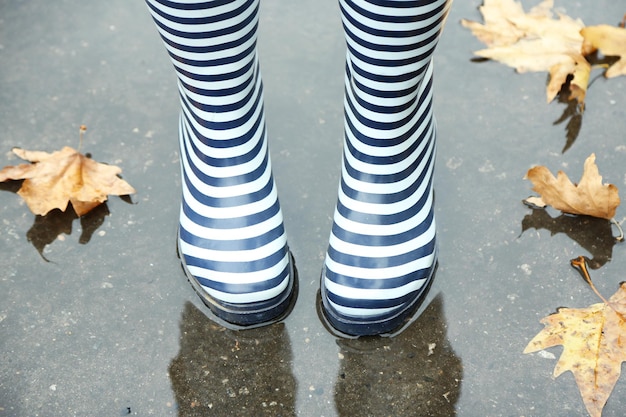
231, 233
382, 246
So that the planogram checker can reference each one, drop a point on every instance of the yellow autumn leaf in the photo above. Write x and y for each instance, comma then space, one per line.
593, 346
611, 41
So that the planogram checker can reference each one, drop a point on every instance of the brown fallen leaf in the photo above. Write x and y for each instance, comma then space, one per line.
498, 29
593, 346
611, 41
590, 197
54, 179
536, 42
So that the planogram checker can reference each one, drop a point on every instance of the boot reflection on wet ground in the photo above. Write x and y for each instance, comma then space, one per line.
415, 373
225, 372
248, 373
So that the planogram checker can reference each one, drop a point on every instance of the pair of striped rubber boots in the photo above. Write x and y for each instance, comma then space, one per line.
382, 252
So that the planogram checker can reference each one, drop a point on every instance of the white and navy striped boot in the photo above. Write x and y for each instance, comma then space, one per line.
382, 250
231, 241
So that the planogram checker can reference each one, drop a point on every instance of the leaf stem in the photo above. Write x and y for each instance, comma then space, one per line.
81, 132
580, 263
619, 238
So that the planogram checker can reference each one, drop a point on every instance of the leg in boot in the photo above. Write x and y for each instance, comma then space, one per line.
231, 237
382, 249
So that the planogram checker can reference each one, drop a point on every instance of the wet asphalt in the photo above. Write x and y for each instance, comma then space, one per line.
97, 319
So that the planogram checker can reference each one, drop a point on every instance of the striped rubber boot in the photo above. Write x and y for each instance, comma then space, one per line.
231, 241
382, 251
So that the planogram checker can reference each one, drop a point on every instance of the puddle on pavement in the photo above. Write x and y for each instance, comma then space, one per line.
112, 325
228, 372
414, 373
592, 234
249, 372
51, 227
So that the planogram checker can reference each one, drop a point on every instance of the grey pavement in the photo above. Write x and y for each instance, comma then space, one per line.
97, 319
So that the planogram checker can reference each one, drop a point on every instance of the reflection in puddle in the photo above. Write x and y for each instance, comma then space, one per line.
593, 234
224, 372
572, 115
46, 229
413, 374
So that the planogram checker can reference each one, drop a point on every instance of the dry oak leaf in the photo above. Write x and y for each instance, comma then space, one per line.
536, 42
594, 346
590, 197
611, 41
498, 29
54, 179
